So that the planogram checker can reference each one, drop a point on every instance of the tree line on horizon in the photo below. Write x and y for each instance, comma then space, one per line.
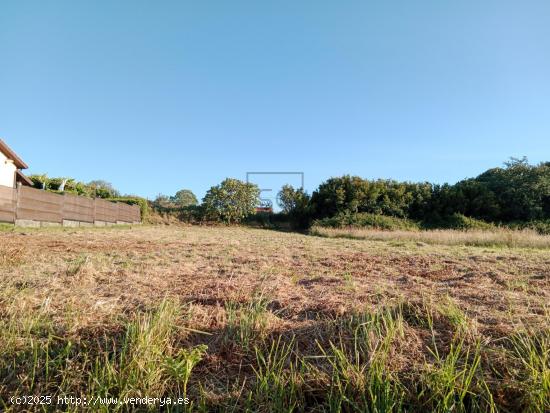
516, 192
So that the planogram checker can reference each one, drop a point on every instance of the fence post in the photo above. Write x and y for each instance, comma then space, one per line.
63, 208
17, 197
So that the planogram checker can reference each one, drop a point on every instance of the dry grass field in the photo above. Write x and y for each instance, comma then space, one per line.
245, 319
499, 237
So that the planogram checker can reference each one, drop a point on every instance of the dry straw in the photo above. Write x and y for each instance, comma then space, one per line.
496, 238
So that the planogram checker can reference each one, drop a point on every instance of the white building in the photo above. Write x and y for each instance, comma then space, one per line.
10, 167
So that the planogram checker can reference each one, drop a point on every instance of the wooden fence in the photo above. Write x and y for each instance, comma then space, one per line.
26, 204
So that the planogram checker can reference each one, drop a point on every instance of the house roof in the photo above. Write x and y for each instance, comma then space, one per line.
20, 177
18, 162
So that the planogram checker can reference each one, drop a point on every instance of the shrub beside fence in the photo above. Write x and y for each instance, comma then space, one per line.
29, 206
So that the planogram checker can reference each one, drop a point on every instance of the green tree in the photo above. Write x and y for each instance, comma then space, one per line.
163, 201
231, 201
341, 194
352, 194
517, 192
103, 189
290, 199
184, 198
520, 190
296, 204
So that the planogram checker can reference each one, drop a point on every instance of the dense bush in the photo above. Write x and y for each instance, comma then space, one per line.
352, 194
458, 221
191, 214
519, 192
94, 189
260, 219
367, 220
54, 184
271, 220
541, 226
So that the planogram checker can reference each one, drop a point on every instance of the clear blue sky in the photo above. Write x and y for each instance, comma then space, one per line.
155, 96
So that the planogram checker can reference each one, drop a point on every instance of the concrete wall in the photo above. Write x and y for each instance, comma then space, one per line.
7, 171
31, 223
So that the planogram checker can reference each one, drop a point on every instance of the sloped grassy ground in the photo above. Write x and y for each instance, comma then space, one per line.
240, 319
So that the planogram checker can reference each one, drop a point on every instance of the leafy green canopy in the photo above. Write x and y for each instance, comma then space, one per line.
517, 192
184, 198
296, 205
231, 201
352, 194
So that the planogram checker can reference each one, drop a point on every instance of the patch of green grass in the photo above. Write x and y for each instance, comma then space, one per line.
246, 323
295, 278
350, 363
454, 380
349, 282
32, 356
147, 362
532, 352
77, 265
455, 316
6, 227
277, 377
360, 379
